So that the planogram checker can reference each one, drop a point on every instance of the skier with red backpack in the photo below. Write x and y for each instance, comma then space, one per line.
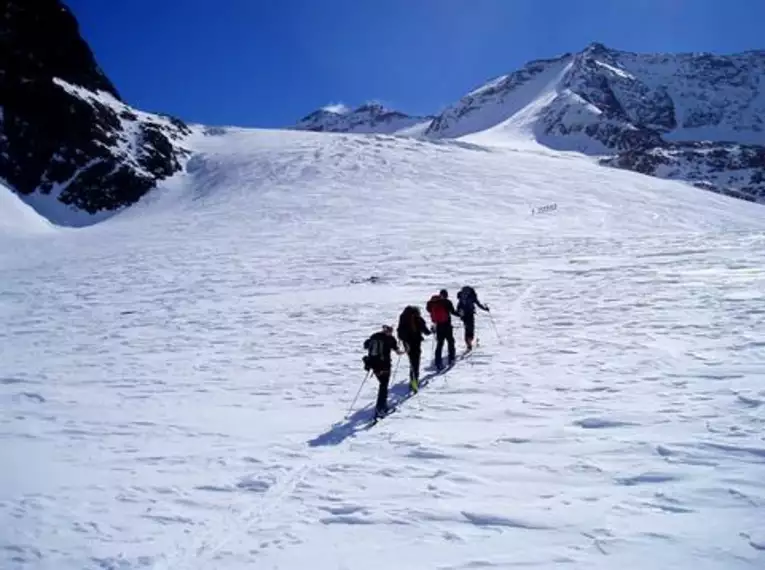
441, 310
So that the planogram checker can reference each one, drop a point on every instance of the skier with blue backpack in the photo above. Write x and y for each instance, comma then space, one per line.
467, 302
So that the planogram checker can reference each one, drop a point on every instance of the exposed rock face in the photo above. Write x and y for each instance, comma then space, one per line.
734, 169
63, 129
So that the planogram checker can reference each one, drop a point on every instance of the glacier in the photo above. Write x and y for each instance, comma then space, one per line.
175, 379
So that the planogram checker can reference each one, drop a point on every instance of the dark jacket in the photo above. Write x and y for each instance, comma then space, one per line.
468, 300
411, 327
379, 347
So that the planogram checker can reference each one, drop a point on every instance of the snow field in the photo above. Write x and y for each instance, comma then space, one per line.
175, 380
17, 219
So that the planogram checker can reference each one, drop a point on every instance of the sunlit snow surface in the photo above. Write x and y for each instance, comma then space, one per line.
174, 380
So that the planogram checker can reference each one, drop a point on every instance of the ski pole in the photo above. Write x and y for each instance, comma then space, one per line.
357, 393
433, 348
393, 377
494, 326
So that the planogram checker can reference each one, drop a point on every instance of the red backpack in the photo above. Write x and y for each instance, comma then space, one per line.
437, 310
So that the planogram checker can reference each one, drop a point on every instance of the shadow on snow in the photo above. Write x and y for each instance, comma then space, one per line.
362, 419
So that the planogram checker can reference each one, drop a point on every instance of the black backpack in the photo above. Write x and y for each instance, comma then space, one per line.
467, 298
375, 346
407, 323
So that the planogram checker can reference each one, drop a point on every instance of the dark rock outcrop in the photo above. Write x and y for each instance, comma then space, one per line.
64, 130
736, 170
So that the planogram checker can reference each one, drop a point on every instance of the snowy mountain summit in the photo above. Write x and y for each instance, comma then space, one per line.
368, 118
67, 141
695, 117
620, 100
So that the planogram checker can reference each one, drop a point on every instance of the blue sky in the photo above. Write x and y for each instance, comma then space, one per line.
269, 62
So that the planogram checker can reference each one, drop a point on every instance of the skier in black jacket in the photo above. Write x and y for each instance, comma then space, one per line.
468, 300
441, 310
378, 360
411, 327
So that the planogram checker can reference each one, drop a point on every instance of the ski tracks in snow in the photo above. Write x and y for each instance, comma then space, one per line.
600, 407
237, 525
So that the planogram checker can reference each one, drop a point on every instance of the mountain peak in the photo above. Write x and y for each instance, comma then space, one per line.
41, 39
373, 107
370, 117
596, 47
335, 109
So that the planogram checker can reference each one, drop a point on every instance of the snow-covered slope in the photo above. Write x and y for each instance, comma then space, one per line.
175, 379
368, 118
510, 100
18, 218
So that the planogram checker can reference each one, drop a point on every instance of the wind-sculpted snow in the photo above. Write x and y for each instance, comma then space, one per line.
175, 380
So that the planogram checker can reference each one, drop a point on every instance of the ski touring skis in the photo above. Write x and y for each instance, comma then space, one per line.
422, 383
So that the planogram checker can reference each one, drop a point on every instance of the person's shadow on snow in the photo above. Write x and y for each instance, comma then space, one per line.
363, 418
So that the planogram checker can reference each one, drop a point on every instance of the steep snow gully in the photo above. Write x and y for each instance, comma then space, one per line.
174, 380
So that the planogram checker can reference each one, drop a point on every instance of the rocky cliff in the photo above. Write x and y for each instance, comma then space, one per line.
64, 131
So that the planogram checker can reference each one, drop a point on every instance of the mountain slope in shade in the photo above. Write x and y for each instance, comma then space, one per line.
368, 118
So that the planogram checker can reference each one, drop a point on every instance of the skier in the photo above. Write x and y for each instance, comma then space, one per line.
411, 327
468, 300
441, 310
378, 360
